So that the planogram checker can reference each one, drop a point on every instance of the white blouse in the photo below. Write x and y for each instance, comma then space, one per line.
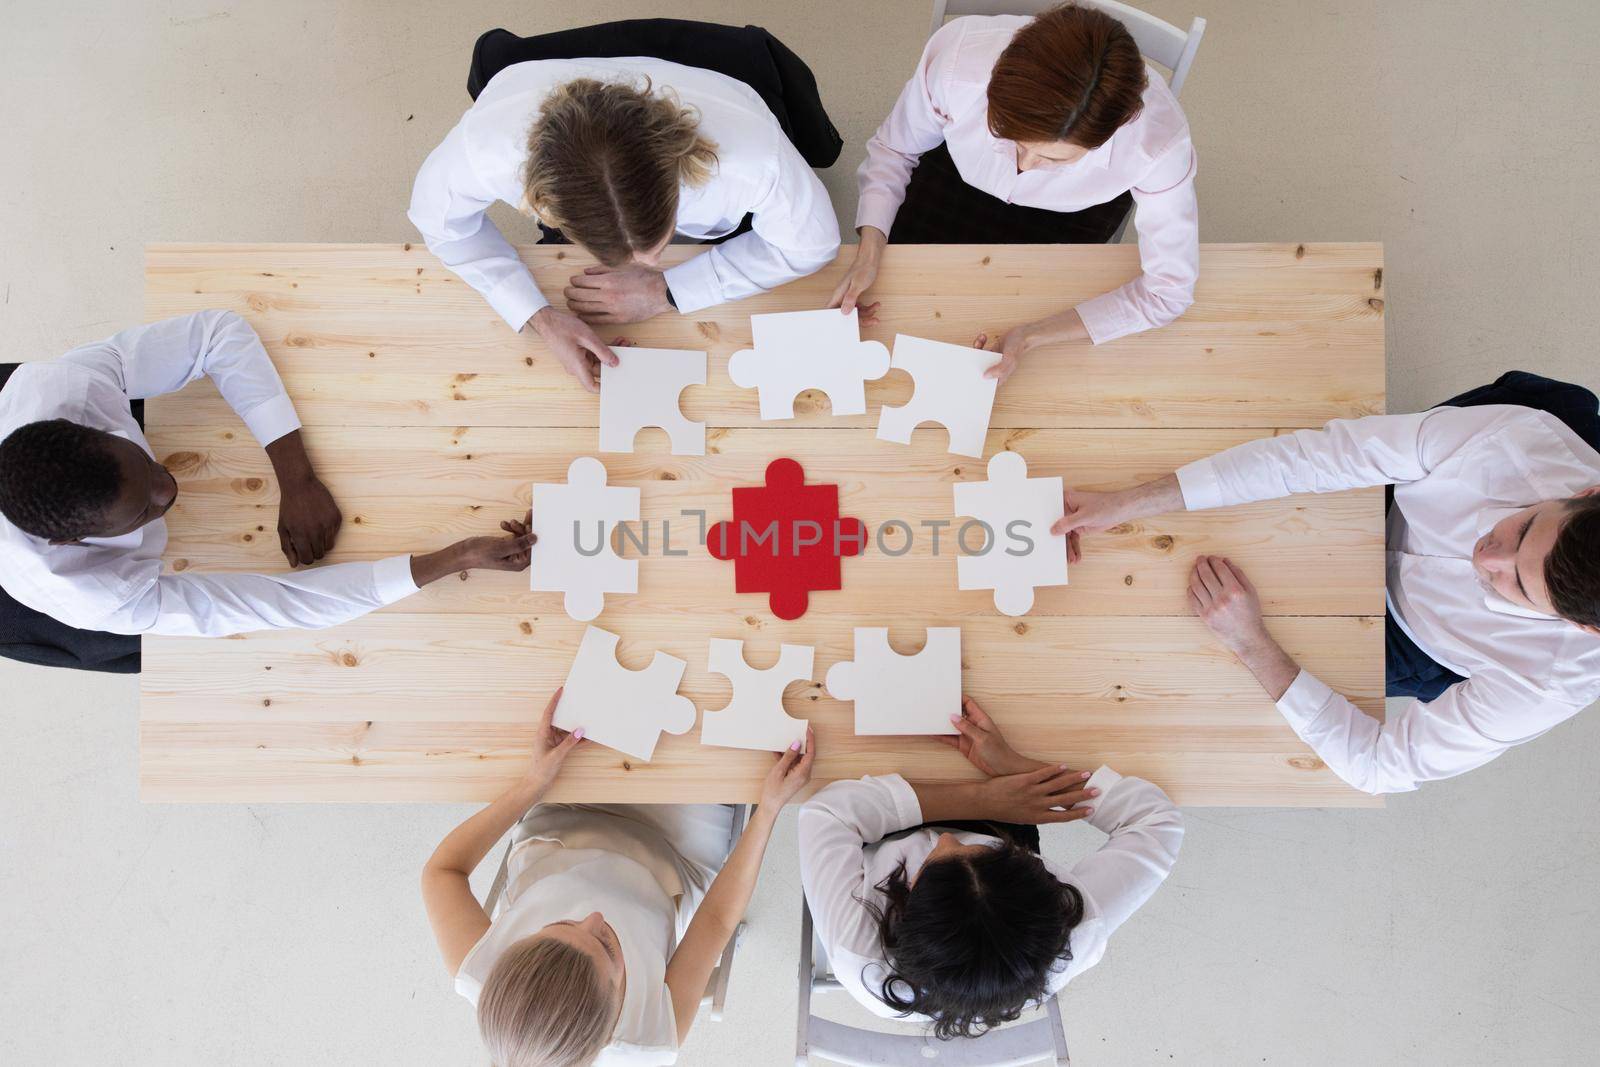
758, 172
645, 869
843, 858
946, 101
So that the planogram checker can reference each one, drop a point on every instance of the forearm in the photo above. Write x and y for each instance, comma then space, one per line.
464, 847
1159, 497
1271, 665
429, 567
942, 801
290, 463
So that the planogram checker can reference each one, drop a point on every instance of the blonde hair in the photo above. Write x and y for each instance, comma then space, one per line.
544, 1005
605, 160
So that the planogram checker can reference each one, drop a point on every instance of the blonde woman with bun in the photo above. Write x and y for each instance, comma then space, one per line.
613, 918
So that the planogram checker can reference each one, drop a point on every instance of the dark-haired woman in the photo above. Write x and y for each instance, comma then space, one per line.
1043, 130
926, 914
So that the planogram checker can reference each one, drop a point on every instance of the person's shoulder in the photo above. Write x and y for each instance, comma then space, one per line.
61, 388
1161, 124
963, 51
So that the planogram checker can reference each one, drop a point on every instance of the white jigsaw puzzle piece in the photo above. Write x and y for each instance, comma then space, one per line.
622, 709
897, 694
582, 514
1007, 499
799, 350
950, 390
755, 718
643, 390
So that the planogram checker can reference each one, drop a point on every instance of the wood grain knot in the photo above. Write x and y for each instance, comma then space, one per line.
297, 340
465, 575
253, 485
985, 261
266, 703
525, 627
709, 330
1299, 251
751, 620
248, 538
257, 302
1020, 629
1127, 579
527, 360
1377, 278
668, 476
1306, 763
627, 766
182, 462
180, 564
406, 247
1162, 542
349, 660
1375, 304
355, 761
356, 520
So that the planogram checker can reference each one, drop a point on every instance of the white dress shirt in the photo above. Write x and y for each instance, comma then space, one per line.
843, 858
115, 584
758, 171
1456, 472
947, 100
645, 868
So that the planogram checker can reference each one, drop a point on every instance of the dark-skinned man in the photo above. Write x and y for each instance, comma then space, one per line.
82, 496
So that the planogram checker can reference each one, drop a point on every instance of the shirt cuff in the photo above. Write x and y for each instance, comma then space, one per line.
694, 284
1302, 703
516, 300
876, 209
391, 579
1199, 485
1106, 317
274, 419
907, 811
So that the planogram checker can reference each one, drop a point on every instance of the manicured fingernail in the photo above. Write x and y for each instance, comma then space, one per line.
955, 718
1061, 766
1094, 792
794, 746
1088, 811
578, 733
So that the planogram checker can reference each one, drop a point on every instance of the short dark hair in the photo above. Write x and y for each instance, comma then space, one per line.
1572, 569
1073, 74
975, 940
57, 478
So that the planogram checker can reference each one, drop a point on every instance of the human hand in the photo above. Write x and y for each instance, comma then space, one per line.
1013, 345
1227, 603
1034, 796
574, 344
551, 747
1086, 512
491, 553
308, 520
789, 775
859, 278
618, 294
985, 747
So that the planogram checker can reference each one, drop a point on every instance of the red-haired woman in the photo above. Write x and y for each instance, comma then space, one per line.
1018, 130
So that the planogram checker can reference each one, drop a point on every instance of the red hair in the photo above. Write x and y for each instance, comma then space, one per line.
1073, 74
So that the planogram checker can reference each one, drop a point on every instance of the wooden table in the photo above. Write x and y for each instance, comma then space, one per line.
429, 421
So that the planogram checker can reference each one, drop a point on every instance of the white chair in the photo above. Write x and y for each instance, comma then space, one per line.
1040, 1040
717, 990
1158, 40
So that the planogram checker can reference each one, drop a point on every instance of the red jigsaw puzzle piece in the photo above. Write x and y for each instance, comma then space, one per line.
786, 539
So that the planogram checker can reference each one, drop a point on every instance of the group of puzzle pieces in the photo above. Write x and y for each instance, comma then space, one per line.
795, 351
786, 538
629, 710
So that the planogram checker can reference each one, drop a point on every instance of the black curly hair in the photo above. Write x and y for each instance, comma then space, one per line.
57, 478
1572, 569
974, 940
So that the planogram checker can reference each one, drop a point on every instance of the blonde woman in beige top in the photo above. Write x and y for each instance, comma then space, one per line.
613, 919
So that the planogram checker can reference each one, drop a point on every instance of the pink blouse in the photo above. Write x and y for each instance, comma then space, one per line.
946, 100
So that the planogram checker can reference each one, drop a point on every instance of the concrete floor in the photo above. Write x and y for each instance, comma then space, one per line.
1457, 926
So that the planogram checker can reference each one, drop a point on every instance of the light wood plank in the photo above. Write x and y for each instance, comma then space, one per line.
434, 707
383, 335
1310, 555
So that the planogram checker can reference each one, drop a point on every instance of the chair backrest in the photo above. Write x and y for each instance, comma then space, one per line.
1040, 1040
1158, 40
